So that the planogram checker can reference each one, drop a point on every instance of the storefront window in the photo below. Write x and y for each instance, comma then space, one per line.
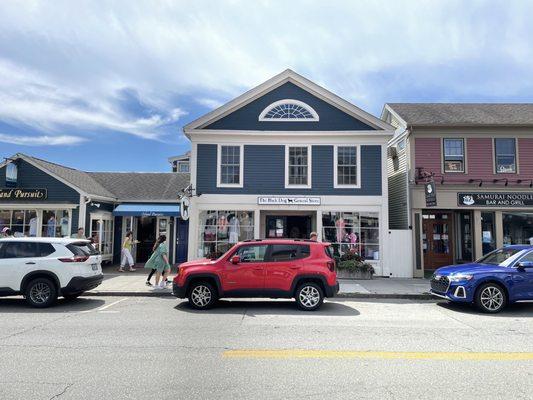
219, 230
56, 223
102, 234
352, 231
517, 228
488, 235
21, 222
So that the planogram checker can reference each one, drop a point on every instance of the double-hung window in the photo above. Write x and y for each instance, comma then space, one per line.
230, 166
505, 155
298, 166
346, 166
454, 155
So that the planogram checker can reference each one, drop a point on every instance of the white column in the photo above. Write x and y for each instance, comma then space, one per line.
82, 212
319, 224
257, 224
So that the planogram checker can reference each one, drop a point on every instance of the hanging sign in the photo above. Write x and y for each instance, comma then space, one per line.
431, 194
11, 174
185, 204
496, 199
23, 194
292, 201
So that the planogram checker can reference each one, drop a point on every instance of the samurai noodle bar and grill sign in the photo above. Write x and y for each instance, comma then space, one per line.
23, 194
502, 199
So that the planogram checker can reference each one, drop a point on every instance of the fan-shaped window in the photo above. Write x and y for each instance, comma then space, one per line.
289, 111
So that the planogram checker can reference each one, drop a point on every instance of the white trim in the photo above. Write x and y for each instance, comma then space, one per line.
196, 134
311, 110
309, 167
336, 184
41, 206
495, 156
276, 81
241, 166
443, 164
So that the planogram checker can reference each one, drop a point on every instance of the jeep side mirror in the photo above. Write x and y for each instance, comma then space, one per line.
235, 260
525, 265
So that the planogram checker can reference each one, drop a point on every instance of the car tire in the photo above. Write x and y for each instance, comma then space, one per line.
72, 296
202, 295
40, 293
491, 298
309, 296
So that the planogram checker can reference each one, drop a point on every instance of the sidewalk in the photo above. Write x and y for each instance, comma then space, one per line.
133, 284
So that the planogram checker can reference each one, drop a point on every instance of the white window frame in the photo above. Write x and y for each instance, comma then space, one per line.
315, 118
219, 166
336, 184
309, 166
495, 155
180, 163
444, 156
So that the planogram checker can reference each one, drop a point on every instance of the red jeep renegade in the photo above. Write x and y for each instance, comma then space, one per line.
275, 268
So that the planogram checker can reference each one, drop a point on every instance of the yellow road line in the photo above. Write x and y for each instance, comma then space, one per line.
398, 355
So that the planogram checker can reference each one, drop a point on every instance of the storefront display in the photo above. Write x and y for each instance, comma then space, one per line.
219, 230
352, 231
44, 223
517, 228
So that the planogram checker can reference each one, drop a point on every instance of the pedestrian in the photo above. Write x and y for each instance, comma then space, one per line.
80, 234
313, 236
158, 261
6, 233
126, 256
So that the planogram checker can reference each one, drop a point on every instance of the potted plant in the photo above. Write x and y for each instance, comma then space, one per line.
351, 265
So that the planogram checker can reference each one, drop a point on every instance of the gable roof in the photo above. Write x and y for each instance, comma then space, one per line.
462, 114
115, 186
287, 76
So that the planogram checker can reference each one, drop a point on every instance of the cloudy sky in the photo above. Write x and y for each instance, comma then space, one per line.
108, 85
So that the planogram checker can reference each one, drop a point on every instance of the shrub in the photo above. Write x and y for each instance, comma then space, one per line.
355, 266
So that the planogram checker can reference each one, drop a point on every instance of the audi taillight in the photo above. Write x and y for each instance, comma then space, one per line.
74, 259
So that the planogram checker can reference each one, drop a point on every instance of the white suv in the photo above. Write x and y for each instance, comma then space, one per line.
41, 269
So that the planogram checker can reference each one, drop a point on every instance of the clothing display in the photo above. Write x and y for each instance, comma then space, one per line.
341, 231
33, 227
64, 226
51, 227
234, 229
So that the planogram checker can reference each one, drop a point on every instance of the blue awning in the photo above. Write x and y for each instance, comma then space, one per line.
147, 210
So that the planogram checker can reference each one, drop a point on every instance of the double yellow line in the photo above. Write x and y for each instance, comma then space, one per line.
389, 355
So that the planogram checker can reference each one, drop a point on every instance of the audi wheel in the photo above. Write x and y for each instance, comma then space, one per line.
491, 298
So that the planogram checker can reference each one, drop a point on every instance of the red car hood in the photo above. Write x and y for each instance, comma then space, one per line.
197, 263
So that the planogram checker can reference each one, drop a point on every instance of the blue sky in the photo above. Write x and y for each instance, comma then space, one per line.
108, 85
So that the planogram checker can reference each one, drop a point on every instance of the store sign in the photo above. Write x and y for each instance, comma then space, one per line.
431, 194
501, 199
185, 204
11, 174
291, 201
23, 194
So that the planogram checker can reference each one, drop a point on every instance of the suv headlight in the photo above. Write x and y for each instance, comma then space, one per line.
460, 277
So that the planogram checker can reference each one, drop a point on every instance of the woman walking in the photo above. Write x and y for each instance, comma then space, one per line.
126, 256
159, 262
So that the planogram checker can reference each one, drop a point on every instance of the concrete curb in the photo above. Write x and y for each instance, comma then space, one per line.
406, 296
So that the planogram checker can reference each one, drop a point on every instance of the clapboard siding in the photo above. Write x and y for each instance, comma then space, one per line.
397, 183
264, 171
330, 118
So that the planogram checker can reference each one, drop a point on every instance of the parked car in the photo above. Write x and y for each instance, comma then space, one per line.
501, 277
41, 269
272, 268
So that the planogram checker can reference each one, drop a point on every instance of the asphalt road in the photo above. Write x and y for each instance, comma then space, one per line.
158, 348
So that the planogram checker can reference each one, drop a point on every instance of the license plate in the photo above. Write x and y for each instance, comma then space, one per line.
94, 267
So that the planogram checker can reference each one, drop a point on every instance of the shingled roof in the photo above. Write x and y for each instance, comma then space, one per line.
464, 114
120, 186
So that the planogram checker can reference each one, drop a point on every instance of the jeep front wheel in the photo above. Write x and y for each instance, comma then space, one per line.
202, 295
309, 296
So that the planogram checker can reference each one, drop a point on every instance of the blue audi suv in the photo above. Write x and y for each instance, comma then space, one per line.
501, 277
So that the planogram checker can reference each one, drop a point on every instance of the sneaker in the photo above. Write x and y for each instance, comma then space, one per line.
162, 285
157, 287
148, 283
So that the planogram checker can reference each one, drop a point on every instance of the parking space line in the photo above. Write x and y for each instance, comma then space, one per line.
399, 355
111, 305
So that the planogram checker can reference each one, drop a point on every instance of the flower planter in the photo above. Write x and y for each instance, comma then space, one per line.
346, 274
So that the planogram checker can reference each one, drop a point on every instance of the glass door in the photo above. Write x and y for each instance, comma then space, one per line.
437, 240
101, 234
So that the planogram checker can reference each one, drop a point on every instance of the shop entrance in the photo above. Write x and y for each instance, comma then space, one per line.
288, 226
146, 235
437, 239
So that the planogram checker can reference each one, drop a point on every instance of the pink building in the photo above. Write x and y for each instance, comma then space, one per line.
478, 160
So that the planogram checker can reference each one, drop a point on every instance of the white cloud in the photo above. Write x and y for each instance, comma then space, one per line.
65, 62
59, 140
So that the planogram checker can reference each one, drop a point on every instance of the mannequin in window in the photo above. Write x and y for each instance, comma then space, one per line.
234, 229
33, 226
64, 226
51, 226
247, 229
222, 226
341, 229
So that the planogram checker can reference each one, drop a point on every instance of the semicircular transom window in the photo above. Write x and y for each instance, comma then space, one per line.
289, 110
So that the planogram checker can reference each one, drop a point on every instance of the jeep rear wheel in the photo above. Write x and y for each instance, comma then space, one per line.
202, 295
40, 293
309, 296
491, 298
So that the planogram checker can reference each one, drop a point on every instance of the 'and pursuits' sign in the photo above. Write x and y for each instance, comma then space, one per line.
23, 194
501, 199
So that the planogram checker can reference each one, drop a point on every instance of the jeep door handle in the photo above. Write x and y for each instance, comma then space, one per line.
30, 263
258, 268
